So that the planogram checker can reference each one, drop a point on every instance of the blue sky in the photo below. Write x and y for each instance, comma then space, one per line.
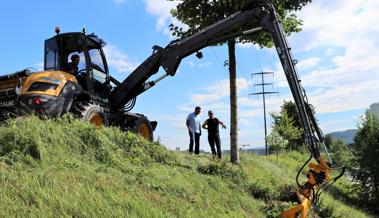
338, 53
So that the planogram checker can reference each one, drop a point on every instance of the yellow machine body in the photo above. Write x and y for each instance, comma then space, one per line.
58, 78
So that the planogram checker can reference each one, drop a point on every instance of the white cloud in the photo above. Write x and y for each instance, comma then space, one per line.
330, 52
352, 83
203, 98
190, 63
200, 65
341, 124
308, 63
218, 90
257, 112
173, 121
119, 60
342, 22
207, 64
162, 9
348, 33
247, 45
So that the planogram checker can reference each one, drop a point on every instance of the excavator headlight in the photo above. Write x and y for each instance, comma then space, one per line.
42, 86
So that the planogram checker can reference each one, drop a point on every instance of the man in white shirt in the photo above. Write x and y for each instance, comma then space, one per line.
194, 129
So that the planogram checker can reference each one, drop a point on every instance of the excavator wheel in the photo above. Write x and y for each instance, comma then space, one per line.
142, 127
90, 112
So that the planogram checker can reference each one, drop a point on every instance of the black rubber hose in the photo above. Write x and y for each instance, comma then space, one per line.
301, 169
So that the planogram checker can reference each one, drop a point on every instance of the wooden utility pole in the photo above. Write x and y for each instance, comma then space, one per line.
234, 152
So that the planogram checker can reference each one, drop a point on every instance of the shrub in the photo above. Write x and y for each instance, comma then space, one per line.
233, 173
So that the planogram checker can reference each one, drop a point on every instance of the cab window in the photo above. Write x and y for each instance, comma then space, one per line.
97, 60
51, 60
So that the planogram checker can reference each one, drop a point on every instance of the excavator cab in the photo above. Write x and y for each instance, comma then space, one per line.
93, 74
57, 90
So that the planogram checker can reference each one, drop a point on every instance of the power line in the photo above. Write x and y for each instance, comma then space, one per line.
226, 63
259, 61
263, 84
242, 65
219, 60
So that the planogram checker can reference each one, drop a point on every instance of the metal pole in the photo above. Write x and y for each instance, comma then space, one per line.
252, 30
264, 114
264, 93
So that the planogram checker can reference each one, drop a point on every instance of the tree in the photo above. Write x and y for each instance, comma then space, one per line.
284, 126
328, 140
290, 108
366, 144
276, 143
341, 152
198, 14
289, 111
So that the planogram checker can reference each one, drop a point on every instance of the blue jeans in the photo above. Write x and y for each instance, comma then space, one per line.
194, 137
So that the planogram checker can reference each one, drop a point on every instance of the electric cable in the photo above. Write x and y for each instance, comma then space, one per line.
219, 60
242, 66
259, 62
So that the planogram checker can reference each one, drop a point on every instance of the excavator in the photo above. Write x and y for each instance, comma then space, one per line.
93, 95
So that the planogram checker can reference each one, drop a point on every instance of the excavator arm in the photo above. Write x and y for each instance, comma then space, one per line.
169, 59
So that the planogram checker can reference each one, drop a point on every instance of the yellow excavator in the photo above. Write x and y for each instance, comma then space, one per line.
93, 95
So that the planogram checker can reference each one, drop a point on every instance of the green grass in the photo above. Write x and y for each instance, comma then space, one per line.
65, 168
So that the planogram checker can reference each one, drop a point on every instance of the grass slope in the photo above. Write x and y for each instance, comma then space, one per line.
65, 168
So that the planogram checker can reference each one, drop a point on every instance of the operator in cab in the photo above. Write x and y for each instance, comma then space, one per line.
72, 67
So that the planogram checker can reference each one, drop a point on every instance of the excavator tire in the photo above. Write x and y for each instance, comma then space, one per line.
142, 127
90, 112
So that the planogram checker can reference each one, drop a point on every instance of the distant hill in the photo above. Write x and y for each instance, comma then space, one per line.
347, 136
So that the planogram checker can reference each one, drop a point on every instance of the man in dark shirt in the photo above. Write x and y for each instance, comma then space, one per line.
72, 67
213, 133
